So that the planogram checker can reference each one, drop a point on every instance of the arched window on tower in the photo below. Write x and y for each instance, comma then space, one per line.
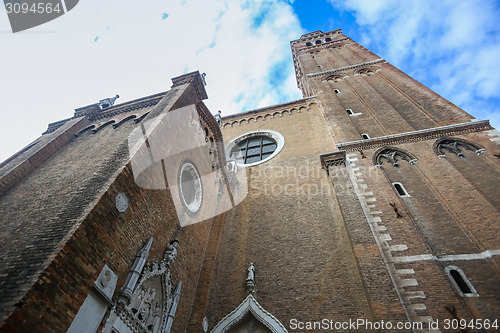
400, 189
318, 41
460, 282
328, 39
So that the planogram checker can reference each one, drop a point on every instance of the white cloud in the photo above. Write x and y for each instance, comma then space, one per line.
451, 46
101, 48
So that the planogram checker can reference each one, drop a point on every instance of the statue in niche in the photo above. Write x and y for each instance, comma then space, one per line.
171, 252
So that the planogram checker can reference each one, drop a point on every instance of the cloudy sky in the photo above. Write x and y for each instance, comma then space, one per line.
133, 48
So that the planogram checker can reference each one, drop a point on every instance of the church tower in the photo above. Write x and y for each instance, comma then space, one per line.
424, 177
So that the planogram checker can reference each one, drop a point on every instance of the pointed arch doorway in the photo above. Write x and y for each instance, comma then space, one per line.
249, 317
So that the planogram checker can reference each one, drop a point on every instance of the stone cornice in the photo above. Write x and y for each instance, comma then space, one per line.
267, 109
332, 159
331, 71
94, 112
420, 135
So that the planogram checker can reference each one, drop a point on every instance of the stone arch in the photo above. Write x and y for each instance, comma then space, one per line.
234, 123
124, 120
138, 120
366, 71
455, 146
242, 121
249, 306
333, 77
302, 109
95, 130
85, 130
276, 114
392, 155
259, 117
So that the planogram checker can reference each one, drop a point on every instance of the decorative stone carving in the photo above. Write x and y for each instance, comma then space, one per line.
121, 202
455, 146
332, 159
106, 283
171, 252
153, 302
251, 278
249, 305
393, 156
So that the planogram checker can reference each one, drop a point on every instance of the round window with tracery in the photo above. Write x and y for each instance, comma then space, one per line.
255, 147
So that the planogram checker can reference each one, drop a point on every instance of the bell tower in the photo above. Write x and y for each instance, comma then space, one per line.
363, 95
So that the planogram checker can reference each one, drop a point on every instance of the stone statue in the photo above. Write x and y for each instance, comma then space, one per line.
251, 272
171, 252
218, 118
251, 278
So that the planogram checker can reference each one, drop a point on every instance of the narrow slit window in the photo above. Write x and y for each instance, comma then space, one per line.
464, 288
400, 189
460, 281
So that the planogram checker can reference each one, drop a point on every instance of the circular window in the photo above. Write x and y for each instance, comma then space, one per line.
255, 147
190, 187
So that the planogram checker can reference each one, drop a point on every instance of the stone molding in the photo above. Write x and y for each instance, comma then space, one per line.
90, 110
250, 304
345, 68
268, 112
414, 136
332, 159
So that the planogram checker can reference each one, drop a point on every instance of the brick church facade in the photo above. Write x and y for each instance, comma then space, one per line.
372, 199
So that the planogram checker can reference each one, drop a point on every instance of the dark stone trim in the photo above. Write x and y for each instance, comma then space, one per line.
426, 134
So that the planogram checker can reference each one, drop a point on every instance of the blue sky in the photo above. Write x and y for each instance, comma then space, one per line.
107, 47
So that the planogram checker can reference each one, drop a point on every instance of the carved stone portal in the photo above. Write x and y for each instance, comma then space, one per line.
151, 308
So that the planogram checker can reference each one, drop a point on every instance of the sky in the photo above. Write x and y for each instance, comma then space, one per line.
106, 47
